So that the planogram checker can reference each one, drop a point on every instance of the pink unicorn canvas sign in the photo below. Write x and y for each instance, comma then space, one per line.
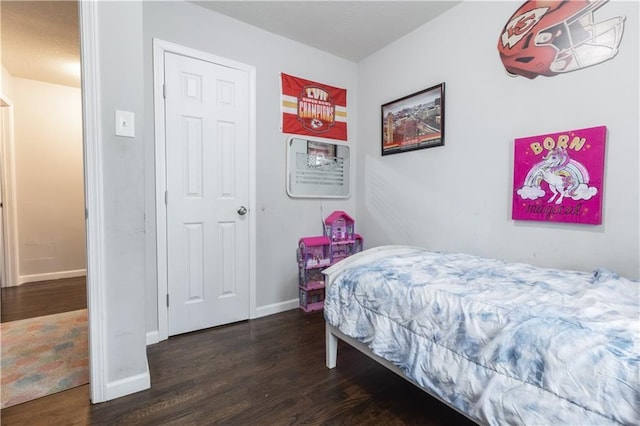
559, 177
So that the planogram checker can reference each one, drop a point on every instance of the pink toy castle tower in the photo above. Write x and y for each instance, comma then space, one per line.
339, 226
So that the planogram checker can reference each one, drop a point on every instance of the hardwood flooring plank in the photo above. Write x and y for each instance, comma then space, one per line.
43, 298
268, 371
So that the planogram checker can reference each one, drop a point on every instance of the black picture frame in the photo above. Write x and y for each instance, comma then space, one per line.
413, 122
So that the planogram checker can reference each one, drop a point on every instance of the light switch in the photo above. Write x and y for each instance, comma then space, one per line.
125, 124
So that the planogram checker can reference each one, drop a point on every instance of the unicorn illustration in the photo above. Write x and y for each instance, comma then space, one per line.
565, 178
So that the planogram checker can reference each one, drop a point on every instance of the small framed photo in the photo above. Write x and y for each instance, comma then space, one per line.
414, 122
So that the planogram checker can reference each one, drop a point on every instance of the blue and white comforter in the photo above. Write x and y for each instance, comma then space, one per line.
504, 343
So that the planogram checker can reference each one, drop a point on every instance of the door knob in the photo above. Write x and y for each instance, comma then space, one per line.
242, 210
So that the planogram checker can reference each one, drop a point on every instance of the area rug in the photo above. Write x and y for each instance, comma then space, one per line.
43, 355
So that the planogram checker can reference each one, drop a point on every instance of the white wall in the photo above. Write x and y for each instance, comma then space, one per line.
120, 86
281, 221
458, 197
48, 180
6, 82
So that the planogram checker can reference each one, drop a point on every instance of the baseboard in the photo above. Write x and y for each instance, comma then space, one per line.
276, 308
51, 276
128, 385
152, 337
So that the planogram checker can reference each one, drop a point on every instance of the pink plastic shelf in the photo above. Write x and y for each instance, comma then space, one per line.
313, 307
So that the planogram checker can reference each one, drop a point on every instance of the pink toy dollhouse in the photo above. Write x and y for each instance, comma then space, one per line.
314, 254
339, 226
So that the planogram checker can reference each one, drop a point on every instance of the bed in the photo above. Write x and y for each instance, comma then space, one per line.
502, 343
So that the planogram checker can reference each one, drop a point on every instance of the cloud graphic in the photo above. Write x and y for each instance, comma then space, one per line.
530, 192
584, 192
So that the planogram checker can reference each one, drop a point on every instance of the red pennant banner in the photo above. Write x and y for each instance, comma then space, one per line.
313, 109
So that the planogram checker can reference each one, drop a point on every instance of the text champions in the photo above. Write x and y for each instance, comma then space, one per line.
315, 103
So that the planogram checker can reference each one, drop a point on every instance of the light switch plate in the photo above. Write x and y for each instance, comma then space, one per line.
125, 124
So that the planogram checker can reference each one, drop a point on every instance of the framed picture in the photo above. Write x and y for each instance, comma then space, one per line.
414, 122
558, 177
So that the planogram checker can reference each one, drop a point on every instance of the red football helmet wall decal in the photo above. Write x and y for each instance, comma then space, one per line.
553, 37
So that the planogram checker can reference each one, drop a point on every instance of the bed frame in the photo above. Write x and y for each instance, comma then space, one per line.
333, 334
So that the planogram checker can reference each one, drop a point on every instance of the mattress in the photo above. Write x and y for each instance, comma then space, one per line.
501, 342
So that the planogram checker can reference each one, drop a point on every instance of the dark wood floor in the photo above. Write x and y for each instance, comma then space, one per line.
269, 371
43, 298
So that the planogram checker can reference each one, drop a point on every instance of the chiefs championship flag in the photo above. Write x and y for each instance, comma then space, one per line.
313, 109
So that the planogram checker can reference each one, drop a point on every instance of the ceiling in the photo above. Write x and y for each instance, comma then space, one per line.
349, 29
40, 39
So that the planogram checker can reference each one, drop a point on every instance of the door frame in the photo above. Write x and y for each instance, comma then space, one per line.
160, 47
93, 189
7, 180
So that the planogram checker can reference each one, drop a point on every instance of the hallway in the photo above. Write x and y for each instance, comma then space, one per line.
44, 339
43, 298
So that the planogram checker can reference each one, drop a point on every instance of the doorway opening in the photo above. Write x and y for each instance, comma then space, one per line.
42, 180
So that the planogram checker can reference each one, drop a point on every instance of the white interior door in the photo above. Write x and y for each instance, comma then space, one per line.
207, 172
